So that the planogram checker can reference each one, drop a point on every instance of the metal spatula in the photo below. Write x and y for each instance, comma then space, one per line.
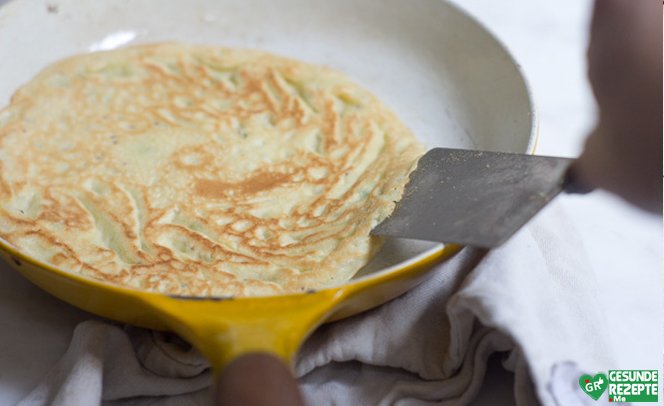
473, 197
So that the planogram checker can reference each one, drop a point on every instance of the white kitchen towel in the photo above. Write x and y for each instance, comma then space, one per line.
532, 301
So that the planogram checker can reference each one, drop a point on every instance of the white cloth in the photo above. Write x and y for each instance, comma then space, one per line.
533, 300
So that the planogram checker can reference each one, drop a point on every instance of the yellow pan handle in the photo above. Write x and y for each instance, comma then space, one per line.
223, 330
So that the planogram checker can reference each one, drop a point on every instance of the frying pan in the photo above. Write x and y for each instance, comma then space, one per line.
446, 77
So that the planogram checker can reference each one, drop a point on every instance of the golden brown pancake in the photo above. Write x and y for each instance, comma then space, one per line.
198, 170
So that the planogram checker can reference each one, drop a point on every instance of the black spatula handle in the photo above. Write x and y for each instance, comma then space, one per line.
572, 184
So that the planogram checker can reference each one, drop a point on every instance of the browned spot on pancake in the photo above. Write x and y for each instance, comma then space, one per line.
5, 191
256, 183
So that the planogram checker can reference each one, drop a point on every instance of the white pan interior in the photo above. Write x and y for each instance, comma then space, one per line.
443, 74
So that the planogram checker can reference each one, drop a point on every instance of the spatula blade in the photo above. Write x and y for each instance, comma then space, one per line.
473, 197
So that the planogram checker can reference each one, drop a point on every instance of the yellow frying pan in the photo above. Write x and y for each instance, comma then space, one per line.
442, 72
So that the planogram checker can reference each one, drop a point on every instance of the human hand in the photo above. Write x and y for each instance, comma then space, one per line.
623, 154
257, 379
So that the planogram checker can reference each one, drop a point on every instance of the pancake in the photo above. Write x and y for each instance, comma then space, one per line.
199, 171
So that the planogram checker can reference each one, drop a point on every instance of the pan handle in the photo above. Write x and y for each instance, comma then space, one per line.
223, 330
260, 335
